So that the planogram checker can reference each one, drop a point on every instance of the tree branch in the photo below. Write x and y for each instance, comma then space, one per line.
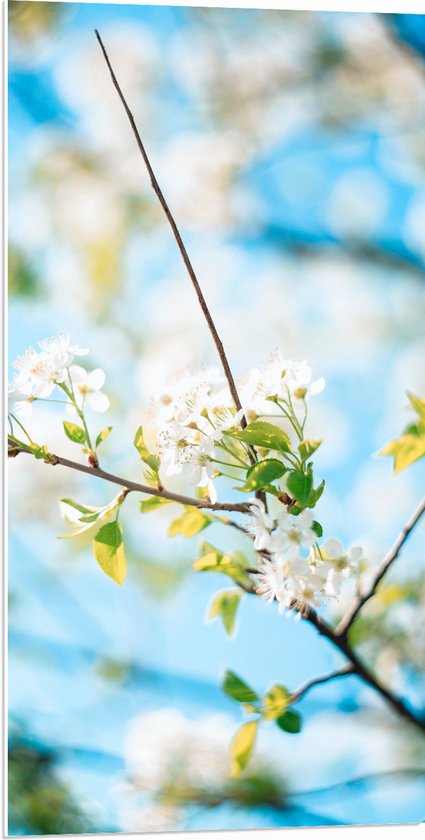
344, 672
97, 472
346, 622
341, 642
177, 236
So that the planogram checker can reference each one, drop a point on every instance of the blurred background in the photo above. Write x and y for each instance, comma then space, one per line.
290, 146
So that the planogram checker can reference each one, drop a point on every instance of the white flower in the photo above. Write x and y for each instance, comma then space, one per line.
339, 564
278, 377
38, 370
87, 388
293, 532
60, 350
20, 400
260, 524
199, 467
298, 381
271, 582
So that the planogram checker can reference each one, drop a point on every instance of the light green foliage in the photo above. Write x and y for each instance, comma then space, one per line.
233, 564
242, 746
190, 523
153, 503
262, 474
237, 689
267, 435
308, 447
74, 432
225, 604
108, 550
410, 446
275, 702
89, 515
103, 435
152, 461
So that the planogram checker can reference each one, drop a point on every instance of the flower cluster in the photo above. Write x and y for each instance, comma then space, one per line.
293, 570
196, 410
40, 371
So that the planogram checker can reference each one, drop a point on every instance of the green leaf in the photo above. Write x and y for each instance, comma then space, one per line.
89, 515
316, 494
109, 551
261, 474
153, 503
74, 432
291, 722
259, 433
299, 485
275, 702
418, 403
406, 450
242, 746
317, 528
237, 689
225, 605
308, 447
152, 461
103, 435
81, 508
190, 523
233, 565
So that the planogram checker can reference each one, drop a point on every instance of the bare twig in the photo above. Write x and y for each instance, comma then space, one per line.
344, 672
97, 472
177, 236
346, 622
341, 642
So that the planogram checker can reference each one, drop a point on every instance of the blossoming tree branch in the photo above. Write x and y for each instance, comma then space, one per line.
253, 432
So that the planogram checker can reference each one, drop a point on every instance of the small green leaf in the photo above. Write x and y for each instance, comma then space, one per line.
290, 722
315, 495
275, 702
153, 503
237, 689
317, 528
262, 474
418, 403
299, 485
152, 461
242, 746
103, 435
233, 565
225, 605
74, 432
81, 508
308, 447
259, 433
109, 551
190, 523
406, 450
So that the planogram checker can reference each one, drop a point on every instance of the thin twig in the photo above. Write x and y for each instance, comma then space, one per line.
344, 672
177, 236
135, 486
341, 642
346, 622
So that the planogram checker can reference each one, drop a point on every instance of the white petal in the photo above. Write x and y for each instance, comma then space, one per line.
96, 379
317, 386
78, 374
98, 401
334, 548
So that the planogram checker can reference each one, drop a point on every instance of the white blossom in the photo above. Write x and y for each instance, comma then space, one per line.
87, 387
260, 524
20, 400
